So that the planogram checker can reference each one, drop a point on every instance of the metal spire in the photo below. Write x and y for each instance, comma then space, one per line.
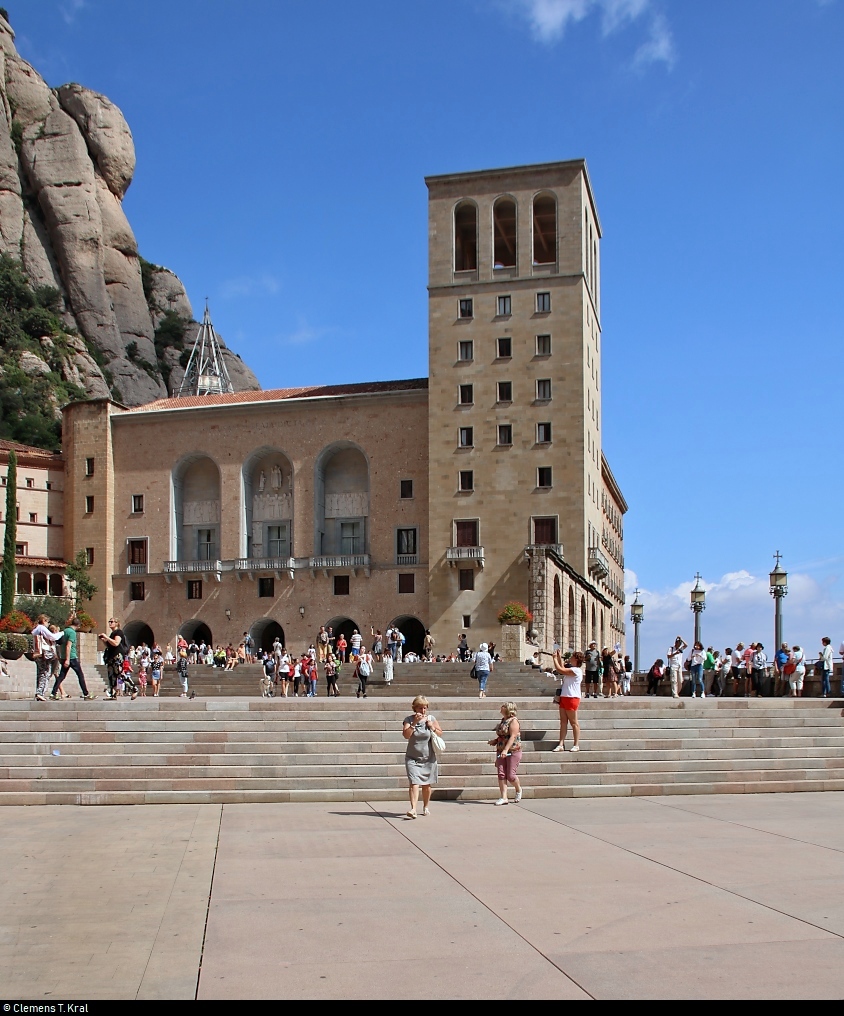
206, 372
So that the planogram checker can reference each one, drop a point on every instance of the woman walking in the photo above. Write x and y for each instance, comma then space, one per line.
508, 752
419, 758
361, 672
331, 676
483, 666
572, 675
610, 667
696, 661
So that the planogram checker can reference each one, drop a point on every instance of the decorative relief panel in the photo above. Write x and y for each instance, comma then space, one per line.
257, 539
198, 512
346, 506
271, 507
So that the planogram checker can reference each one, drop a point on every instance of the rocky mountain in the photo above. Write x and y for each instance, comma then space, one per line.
125, 325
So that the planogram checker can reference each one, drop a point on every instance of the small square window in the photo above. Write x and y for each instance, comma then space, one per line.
543, 389
341, 585
466, 350
505, 434
545, 530
543, 433
504, 348
48, 485
89, 467
543, 345
466, 308
33, 517
406, 489
266, 587
137, 504
30, 482
89, 555
466, 580
5, 481
505, 391
467, 395
407, 583
467, 620
543, 303
195, 589
137, 590
20, 549
89, 504
543, 476
505, 306
49, 520
467, 479
466, 437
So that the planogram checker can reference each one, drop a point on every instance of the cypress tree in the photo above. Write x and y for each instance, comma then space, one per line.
7, 585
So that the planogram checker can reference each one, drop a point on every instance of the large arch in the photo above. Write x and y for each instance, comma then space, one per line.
594, 636
584, 631
504, 233
25, 582
195, 508
264, 632
558, 612
39, 584
341, 496
544, 229
345, 626
196, 631
137, 632
571, 641
267, 506
466, 236
413, 630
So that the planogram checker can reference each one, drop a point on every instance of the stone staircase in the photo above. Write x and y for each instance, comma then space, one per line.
233, 750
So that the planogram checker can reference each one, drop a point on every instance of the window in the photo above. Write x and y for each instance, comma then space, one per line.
543, 345
505, 305
195, 589
466, 578
407, 583
504, 348
21, 549
466, 350
30, 482
505, 391
504, 233
467, 395
466, 533
545, 530
89, 556
137, 552
49, 520
206, 548
405, 544
351, 536
543, 303
467, 620
467, 480
466, 437
33, 516
341, 585
505, 434
543, 390
89, 504
137, 504
277, 543
266, 587
543, 476
89, 467
137, 590
466, 308
406, 489
543, 433
544, 229
48, 485
5, 481
465, 237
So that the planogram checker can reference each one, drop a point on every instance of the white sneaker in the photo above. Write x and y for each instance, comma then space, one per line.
703, 694
694, 694
575, 747
518, 796
500, 801
558, 748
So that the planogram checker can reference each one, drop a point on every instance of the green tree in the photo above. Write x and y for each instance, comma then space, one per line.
77, 572
7, 583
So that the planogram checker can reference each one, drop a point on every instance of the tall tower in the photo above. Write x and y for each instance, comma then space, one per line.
206, 372
514, 396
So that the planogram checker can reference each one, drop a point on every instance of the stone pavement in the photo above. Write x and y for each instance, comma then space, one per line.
681, 897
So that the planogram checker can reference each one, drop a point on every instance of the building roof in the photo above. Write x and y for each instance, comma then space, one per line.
282, 395
612, 484
29, 455
54, 563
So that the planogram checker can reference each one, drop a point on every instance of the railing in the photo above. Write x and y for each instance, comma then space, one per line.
192, 567
556, 548
598, 564
407, 559
340, 561
464, 554
264, 564
136, 569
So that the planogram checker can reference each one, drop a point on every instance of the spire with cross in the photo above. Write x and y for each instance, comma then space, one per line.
206, 372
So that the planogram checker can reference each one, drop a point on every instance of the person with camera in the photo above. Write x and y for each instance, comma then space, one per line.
572, 678
114, 650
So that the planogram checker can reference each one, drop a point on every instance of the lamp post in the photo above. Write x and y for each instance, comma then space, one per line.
637, 614
697, 604
779, 588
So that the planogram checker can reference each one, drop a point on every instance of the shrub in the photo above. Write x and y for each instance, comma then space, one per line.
16, 620
514, 613
11, 643
57, 610
85, 621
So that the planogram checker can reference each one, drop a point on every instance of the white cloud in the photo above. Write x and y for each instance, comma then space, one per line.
71, 8
305, 334
249, 285
549, 20
739, 607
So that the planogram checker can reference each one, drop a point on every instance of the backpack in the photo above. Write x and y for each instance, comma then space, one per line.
364, 670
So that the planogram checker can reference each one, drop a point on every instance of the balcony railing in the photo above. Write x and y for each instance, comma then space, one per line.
331, 561
136, 569
456, 555
251, 565
556, 548
182, 568
407, 559
599, 566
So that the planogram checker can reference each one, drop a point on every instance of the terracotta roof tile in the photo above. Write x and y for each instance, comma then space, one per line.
8, 446
280, 394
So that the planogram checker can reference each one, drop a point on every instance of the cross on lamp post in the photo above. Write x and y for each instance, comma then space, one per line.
637, 613
697, 604
779, 588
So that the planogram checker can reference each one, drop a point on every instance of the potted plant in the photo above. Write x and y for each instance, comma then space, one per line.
514, 613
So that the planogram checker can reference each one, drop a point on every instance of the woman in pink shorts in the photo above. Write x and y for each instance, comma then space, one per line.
572, 675
508, 752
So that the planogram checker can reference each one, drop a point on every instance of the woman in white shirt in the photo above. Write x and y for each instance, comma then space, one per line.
797, 659
572, 675
696, 661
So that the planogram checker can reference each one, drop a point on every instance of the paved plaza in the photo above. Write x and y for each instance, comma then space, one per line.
687, 897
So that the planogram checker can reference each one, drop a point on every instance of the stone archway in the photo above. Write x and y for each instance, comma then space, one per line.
196, 631
346, 626
413, 631
264, 632
137, 632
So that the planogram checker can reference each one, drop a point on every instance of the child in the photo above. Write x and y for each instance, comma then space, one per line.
126, 678
267, 678
143, 668
297, 674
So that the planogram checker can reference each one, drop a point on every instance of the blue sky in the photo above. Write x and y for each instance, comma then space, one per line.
281, 155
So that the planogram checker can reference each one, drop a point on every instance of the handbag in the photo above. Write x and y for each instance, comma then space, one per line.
789, 668
473, 673
437, 744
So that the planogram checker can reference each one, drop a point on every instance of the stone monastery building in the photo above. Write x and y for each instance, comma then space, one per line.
428, 502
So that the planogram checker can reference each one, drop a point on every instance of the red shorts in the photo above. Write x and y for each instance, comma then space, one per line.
569, 703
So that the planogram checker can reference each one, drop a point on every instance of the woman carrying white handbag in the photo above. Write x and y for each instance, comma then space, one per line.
422, 732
